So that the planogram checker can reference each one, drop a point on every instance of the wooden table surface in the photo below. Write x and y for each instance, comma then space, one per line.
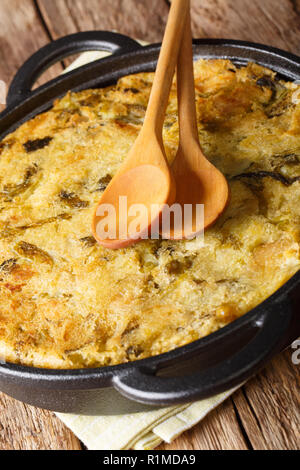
264, 414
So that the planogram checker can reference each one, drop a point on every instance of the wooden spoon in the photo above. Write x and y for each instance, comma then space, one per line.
197, 180
145, 178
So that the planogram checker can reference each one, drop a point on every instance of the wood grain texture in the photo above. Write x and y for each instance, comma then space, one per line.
264, 414
269, 406
21, 34
272, 22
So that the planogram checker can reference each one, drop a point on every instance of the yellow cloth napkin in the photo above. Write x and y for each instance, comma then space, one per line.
139, 431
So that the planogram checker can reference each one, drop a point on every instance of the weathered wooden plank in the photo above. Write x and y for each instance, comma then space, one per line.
22, 34
24, 427
272, 22
269, 406
145, 20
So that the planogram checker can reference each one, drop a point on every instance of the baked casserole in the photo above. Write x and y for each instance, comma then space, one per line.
67, 302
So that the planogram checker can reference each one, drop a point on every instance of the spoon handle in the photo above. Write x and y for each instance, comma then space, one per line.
162, 83
186, 86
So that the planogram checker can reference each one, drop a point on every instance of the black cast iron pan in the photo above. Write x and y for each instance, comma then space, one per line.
203, 368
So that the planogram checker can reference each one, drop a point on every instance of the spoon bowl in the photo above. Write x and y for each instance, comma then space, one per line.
202, 185
119, 225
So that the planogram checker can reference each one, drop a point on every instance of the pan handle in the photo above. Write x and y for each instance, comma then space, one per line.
142, 385
48, 55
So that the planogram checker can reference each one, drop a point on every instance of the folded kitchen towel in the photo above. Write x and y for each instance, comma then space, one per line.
139, 431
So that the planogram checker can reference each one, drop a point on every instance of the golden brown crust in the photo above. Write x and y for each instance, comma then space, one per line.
67, 302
